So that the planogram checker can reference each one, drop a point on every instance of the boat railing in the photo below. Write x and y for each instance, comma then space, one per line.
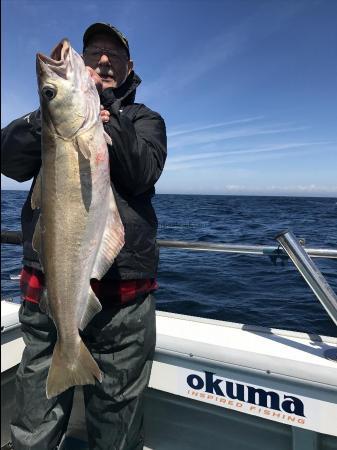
271, 251
289, 247
309, 271
15, 238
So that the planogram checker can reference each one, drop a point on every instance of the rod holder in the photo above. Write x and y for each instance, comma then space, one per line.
309, 272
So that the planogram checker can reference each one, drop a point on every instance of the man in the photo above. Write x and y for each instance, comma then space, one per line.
122, 336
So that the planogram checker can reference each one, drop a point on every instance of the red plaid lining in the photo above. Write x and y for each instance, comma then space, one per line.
107, 291
31, 284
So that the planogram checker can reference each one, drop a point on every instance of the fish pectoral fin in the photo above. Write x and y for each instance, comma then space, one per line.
64, 374
36, 241
93, 308
35, 200
43, 303
107, 138
111, 243
83, 146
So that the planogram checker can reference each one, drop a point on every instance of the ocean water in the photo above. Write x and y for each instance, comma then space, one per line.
238, 288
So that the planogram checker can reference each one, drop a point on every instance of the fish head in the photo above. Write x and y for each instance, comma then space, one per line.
69, 99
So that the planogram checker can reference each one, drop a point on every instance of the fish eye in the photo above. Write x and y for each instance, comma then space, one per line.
49, 92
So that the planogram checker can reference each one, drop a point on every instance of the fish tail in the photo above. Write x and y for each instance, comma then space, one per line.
82, 370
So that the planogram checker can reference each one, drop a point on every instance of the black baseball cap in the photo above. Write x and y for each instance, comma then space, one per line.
100, 27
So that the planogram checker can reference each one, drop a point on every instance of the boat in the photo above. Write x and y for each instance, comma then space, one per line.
217, 384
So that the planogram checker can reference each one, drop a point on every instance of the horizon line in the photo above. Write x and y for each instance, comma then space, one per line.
233, 194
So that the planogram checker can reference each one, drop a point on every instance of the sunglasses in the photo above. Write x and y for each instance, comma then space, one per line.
95, 54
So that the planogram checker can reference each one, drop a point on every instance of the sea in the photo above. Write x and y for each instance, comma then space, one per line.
247, 289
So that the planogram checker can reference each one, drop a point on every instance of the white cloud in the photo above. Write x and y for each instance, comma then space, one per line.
218, 188
179, 162
206, 137
301, 189
189, 130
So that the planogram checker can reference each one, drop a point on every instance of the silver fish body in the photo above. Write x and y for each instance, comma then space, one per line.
79, 232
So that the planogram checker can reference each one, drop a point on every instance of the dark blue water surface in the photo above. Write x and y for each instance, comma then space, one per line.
232, 287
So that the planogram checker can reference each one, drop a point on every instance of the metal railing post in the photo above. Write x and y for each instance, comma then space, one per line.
309, 272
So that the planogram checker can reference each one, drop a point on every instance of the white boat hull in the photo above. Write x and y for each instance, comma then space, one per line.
286, 388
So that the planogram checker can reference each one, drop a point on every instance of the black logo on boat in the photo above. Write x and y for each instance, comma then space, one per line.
245, 393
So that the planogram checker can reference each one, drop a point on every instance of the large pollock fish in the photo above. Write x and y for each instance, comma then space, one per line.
79, 232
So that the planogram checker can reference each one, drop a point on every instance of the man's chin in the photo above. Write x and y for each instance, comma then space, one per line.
108, 83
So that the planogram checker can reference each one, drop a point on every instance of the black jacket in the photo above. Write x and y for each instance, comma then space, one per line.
137, 157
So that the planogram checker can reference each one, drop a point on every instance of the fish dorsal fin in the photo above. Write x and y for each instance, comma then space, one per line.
93, 307
112, 241
36, 194
83, 145
36, 241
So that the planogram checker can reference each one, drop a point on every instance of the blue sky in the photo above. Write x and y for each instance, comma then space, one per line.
248, 89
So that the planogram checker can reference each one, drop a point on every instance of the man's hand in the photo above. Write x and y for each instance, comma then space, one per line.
96, 78
105, 115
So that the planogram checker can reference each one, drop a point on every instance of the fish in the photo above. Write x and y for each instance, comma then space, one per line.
79, 232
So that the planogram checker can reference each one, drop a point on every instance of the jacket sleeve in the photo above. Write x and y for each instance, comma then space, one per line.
138, 150
21, 147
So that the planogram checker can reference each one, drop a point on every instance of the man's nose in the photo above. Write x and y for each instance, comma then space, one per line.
104, 59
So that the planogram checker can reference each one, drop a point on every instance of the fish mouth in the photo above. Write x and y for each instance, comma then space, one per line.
58, 60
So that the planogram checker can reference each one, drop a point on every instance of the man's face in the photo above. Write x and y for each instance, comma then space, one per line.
109, 59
